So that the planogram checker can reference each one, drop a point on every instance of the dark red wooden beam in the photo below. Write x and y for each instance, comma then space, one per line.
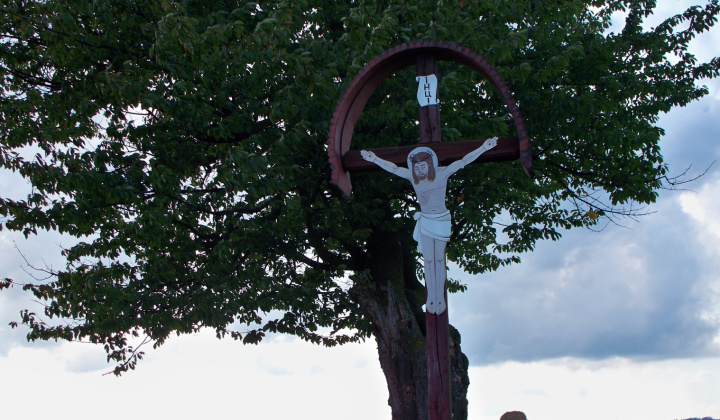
438, 365
508, 148
436, 332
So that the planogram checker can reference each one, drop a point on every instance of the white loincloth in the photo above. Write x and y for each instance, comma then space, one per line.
436, 226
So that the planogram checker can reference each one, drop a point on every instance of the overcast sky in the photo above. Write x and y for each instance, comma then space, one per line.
622, 323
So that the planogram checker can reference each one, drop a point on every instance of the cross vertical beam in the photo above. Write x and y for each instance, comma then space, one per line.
437, 326
428, 116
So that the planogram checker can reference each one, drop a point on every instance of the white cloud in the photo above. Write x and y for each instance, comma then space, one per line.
639, 292
702, 206
199, 377
617, 388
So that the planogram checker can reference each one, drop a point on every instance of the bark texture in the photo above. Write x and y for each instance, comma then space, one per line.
392, 298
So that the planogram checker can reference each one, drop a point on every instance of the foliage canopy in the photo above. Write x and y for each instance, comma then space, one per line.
183, 143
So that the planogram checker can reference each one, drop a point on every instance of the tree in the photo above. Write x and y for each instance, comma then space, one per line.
184, 144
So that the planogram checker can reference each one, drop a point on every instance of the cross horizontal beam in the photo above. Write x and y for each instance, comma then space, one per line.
508, 148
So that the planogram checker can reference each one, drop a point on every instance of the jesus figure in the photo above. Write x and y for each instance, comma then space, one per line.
432, 230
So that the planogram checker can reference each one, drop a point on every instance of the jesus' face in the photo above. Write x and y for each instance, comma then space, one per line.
421, 170
423, 165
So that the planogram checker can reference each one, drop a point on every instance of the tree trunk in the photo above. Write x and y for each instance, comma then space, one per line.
392, 299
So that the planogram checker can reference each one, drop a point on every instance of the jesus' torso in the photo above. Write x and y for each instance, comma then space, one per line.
431, 194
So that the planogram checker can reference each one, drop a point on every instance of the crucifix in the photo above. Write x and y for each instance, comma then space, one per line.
432, 230
418, 164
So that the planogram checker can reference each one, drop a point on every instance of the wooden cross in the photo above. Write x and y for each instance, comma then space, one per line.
424, 55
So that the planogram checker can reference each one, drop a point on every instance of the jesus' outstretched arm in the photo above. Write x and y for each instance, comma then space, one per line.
384, 164
472, 156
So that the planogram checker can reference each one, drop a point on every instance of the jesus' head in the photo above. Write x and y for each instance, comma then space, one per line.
423, 166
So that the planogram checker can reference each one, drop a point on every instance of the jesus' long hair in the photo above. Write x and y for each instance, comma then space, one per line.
420, 157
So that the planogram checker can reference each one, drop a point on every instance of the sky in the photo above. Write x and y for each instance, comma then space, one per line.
618, 324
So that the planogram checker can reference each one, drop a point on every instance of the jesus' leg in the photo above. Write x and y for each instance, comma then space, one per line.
440, 275
428, 250
434, 258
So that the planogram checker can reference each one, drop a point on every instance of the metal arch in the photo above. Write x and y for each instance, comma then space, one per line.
356, 95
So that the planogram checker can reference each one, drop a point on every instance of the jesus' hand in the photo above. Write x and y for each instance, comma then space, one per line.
490, 143
369, 156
